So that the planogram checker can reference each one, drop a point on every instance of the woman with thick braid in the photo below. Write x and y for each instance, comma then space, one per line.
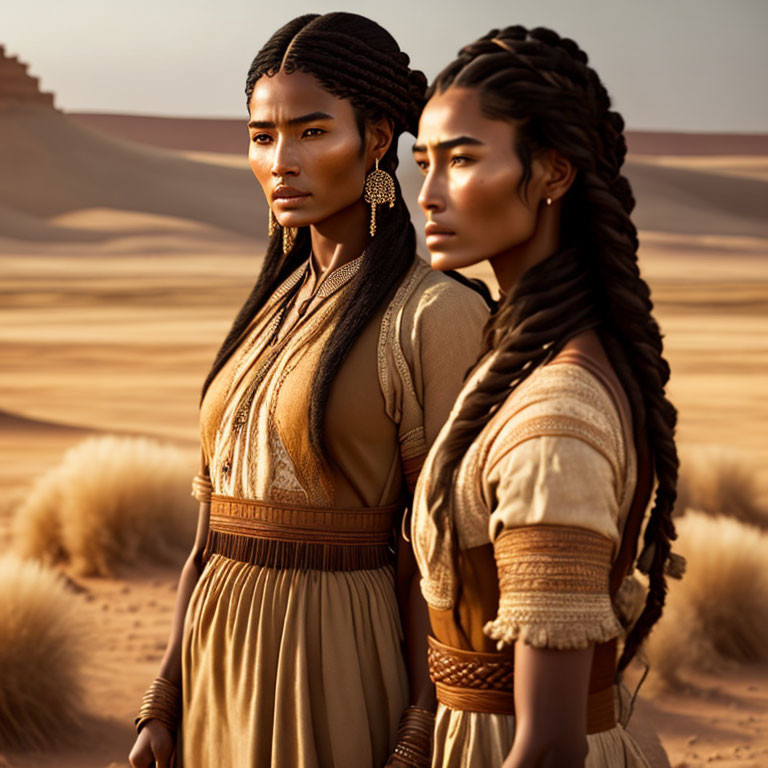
288, 648
528, 512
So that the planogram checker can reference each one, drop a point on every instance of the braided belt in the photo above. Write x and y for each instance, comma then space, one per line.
484, 682
309, 538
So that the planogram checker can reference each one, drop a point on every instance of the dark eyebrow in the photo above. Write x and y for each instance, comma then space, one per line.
459, 141
310, 118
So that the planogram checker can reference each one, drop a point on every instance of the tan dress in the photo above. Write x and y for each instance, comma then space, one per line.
539, 506
295, 667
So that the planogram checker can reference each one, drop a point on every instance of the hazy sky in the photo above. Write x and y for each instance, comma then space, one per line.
669, 64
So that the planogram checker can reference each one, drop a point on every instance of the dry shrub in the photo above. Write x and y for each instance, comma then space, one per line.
41, 656
718, 613
720, 481
112, 501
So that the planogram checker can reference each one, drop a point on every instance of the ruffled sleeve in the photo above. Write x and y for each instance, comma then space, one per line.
555, 482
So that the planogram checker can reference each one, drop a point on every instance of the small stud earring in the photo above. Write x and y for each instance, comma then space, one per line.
549, 201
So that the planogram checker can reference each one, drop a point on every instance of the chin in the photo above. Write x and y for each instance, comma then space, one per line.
443, 261
295, 219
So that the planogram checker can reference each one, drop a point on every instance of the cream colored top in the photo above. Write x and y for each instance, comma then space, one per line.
556, 459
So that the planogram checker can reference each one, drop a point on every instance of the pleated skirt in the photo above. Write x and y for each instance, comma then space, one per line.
472, 740
283, 668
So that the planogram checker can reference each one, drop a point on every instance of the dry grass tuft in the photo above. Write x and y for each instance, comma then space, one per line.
112, 501
720, 482
718, 613
41, 657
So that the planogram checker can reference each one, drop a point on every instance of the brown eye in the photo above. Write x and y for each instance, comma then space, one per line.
261, 138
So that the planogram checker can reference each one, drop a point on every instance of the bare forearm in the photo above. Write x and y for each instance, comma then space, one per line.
550, 700
417, 630
415, 620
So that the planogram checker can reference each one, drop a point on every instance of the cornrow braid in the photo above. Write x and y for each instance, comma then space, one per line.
543, 82
352, 58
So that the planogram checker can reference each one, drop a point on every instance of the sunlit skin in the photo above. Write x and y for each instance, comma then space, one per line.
308, 155
476, 209
475, 206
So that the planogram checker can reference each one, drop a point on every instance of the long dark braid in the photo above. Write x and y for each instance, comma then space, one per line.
353, 58
542, 82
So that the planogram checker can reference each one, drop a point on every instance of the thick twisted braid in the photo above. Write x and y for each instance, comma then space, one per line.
353, 58
543, 83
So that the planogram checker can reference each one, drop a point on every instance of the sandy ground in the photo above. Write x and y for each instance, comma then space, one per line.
112, 337
110, 316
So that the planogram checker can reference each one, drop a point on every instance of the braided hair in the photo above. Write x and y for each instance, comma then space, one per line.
352, 58
543, 83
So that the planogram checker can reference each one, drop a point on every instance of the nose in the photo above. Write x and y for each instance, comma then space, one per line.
432, 195
284, 162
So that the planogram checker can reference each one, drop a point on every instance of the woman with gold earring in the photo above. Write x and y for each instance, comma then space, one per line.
300, 634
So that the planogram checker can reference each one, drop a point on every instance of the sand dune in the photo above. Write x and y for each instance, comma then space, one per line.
17, 225
743, 166
225, 135
670, 198
229, 135
89, 168
675, 199
681, 143
14, 422
52, 165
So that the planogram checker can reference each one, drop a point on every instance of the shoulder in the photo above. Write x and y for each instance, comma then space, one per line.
437, 294
429, 302
565, 401
557, 455
430, 334
427, 310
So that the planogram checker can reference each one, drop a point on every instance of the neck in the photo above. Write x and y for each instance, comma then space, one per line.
509, 266
340, 238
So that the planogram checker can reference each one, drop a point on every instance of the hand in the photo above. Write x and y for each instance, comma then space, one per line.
154, 747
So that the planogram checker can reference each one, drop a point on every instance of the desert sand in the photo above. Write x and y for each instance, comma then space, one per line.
123, 265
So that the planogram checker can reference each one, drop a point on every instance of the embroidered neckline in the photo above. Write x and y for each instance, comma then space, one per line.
339, 277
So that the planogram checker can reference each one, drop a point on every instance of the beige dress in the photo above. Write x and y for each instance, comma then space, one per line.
287, 667
539, 506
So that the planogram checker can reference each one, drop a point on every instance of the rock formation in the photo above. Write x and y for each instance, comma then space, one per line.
17, 86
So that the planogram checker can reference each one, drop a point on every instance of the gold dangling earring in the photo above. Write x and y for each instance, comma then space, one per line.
289, 233
379, 188
289, 238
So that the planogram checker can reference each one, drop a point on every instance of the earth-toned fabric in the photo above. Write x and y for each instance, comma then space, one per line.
293, 666
525, 548
553, 585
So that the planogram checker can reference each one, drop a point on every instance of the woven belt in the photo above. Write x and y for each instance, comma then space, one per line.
484, 682
308, 538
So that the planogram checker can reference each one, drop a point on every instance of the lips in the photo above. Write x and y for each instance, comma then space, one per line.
433, 229
288, 193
